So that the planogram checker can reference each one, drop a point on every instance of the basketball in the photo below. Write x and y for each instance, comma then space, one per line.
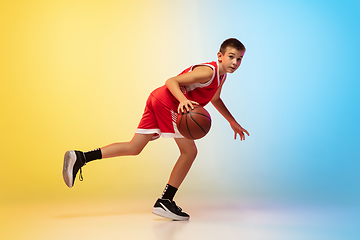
194, 124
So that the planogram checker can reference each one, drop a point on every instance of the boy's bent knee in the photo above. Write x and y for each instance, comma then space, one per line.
191, 152
138, 143
195, 152
135, 151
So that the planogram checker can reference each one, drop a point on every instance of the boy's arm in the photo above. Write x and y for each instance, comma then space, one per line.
220, 106
199, 74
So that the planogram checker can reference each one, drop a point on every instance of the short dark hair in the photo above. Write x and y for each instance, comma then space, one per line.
231, 42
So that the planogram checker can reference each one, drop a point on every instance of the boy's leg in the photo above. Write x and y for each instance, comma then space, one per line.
74, 160
134, 147
165, 206
188, 152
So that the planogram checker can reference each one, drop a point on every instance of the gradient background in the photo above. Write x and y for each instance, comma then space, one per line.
76, 74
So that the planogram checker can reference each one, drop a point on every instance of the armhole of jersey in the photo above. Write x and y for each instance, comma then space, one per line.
208, 82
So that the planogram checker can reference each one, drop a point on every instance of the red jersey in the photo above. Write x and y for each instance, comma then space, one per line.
198, 92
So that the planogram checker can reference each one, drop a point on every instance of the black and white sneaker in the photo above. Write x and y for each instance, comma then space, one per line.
73, 161
168, 209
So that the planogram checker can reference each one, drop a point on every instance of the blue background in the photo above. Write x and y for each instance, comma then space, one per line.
297, 93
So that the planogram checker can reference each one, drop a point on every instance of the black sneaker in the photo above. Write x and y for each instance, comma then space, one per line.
73, 161
168, 209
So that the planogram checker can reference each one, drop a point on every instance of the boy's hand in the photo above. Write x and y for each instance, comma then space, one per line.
239, 130
187, 105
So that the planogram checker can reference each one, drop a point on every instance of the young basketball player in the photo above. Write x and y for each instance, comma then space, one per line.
197, 85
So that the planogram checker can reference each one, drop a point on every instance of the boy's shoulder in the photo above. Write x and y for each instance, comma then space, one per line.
212, 65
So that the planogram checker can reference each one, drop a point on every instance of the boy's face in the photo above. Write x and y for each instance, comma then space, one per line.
231, 60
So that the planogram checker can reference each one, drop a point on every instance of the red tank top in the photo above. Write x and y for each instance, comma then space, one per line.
198, 92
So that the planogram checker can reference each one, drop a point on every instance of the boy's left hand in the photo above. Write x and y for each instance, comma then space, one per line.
239, 130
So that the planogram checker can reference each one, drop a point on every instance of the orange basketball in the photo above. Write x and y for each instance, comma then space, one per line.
194, 124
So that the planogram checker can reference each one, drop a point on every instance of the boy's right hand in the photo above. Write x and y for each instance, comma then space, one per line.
186, 105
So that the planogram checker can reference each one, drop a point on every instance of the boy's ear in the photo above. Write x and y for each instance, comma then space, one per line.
219, 55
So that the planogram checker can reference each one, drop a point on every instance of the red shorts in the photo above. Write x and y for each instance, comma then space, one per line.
158, 119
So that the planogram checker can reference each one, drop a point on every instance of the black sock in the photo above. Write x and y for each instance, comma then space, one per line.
93, 155
169, 192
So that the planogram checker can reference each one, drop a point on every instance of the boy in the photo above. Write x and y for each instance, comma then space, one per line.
197, 85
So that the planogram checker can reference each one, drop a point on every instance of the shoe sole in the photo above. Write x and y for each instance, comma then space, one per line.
69, 162
168, 214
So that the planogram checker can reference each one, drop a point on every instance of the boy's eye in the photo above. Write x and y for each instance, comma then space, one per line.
231, 57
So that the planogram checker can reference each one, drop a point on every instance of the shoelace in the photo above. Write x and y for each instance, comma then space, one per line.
80, 175
179, 208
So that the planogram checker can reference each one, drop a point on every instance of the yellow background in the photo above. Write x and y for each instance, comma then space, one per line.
76, 75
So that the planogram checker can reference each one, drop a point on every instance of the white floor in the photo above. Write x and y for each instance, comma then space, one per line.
217, 220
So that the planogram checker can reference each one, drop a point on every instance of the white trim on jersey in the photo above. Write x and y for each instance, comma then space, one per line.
218, 74
191, 87
154, 131
158, 133
177, 134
